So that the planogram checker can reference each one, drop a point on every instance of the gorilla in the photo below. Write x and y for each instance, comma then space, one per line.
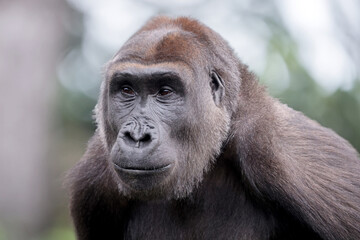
189, 145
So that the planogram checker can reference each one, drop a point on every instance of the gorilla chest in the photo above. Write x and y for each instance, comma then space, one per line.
223, 215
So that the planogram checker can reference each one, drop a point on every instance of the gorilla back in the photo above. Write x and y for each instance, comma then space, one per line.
189, 146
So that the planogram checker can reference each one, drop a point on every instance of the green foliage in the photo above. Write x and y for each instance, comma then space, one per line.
60, 234
2, 234
339, 110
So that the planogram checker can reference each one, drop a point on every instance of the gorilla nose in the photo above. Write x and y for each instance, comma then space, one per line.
137, 139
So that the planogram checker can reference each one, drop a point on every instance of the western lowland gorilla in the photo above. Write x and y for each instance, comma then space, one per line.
189, 146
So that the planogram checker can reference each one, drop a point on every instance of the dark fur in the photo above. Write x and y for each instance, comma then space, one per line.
260, 171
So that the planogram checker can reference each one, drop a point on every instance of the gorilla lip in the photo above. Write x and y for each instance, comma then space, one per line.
143, 170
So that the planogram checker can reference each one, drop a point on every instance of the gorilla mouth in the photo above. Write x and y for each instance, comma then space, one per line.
143, 170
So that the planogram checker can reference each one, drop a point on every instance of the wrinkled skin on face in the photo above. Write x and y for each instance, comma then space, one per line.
158, 129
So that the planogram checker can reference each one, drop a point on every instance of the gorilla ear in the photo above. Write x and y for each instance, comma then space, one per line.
217, 88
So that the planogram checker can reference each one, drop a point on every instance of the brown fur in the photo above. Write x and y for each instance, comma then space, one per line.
251, 168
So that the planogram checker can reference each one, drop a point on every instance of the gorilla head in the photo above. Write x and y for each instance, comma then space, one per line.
164, 111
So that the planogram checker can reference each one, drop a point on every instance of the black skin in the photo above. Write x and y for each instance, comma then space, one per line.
190, 146
144, 106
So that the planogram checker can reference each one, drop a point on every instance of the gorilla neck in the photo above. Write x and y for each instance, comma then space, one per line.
219, 199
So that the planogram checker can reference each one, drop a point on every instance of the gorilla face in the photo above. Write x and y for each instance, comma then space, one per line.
143, 107
159, 119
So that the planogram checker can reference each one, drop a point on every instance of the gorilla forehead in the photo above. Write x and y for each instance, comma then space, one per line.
159, 51
162, 45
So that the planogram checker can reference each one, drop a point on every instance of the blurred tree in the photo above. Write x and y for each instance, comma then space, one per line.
30, 43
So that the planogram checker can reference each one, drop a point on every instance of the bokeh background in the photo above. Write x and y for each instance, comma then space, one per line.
52, 54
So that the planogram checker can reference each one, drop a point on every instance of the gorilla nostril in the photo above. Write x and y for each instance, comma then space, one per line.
128, 136
145, 138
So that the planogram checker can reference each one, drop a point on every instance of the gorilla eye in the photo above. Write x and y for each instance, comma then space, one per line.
164, 92
127, 91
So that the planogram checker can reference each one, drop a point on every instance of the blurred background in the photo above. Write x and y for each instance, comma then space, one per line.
52, 55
